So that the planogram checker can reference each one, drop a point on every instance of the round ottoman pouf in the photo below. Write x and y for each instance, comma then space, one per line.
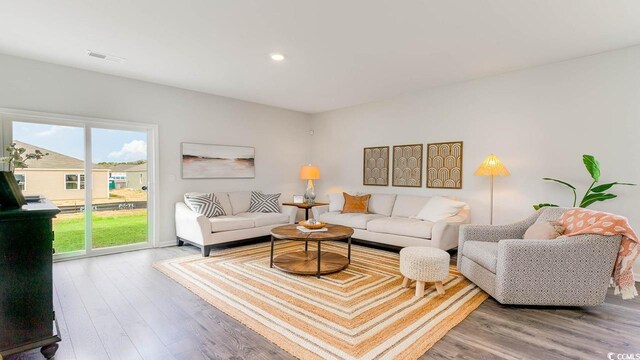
424, 264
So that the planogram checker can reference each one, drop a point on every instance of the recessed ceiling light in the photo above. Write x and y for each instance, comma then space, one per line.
277, 57
107, 57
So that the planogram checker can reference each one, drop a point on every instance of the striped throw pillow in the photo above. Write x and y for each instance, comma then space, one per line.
264, 203
205, 204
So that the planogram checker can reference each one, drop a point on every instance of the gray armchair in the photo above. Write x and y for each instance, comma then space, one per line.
572, 271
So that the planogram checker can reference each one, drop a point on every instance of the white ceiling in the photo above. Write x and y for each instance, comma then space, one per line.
339, 52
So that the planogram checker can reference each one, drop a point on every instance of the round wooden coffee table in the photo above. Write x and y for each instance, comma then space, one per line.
311, 262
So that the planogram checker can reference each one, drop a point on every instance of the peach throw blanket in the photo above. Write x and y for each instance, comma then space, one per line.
582, 221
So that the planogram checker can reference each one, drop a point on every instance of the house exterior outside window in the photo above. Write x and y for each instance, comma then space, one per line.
22, 181
73, 181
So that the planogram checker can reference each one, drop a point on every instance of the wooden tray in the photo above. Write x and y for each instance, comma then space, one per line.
319, 225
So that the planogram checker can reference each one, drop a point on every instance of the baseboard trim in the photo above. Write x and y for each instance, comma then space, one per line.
166, 244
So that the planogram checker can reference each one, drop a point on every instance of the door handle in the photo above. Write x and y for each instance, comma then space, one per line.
144, 188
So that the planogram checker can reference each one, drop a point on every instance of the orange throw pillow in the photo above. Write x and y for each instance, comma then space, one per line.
355, 204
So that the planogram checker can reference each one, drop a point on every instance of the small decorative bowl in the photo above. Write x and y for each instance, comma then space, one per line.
319, 225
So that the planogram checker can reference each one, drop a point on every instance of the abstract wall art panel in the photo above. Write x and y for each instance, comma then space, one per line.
203, 161
444, 165
376, 166
407, 165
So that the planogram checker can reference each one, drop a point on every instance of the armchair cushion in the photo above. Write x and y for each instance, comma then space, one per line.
483, 253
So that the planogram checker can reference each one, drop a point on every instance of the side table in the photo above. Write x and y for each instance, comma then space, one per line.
305, 206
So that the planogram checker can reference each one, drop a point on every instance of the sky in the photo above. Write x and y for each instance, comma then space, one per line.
107, 145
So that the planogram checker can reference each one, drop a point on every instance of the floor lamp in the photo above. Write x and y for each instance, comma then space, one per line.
491, 166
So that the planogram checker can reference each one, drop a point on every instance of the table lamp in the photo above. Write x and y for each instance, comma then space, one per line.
491, 166
309, 173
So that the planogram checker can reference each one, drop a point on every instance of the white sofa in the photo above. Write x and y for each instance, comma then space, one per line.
237, 224
391, 220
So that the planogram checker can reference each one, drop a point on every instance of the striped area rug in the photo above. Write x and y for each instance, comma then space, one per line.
361, 312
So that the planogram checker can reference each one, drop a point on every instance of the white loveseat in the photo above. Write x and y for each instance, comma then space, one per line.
237, 224
391, 220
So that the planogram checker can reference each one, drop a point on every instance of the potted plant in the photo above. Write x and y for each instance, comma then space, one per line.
595, 192
10, 194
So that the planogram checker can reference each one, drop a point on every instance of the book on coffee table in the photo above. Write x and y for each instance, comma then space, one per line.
304, 229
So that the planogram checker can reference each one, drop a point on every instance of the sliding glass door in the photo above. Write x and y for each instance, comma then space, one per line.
58, 176
97, 174
119, 198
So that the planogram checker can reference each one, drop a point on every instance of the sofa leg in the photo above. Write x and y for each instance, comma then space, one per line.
205, 251
180, 242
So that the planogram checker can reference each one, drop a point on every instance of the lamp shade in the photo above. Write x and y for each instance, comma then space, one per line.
309, 172
491, 166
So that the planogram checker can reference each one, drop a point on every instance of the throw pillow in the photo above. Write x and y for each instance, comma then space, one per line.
264, 203
205, 204
439, 208
545, 230
355, 204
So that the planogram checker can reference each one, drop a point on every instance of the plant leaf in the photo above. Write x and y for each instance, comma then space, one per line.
591, 198
560, 181
605, 187
540, 206
592, 165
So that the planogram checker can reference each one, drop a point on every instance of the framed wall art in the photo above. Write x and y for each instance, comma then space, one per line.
407, 165
204, 161
375, 168
444, 165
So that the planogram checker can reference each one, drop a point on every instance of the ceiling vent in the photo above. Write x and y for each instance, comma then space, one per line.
107, 57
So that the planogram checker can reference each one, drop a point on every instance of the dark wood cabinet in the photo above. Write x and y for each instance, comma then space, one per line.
27, 318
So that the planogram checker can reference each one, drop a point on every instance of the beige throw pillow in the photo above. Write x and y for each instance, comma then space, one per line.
545, 230
439, 208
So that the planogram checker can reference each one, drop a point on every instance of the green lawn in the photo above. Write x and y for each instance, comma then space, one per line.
112, 229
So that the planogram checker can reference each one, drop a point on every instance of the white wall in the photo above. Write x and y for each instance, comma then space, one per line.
181, 115
538, 121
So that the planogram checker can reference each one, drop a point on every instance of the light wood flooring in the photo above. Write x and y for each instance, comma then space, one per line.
119, 307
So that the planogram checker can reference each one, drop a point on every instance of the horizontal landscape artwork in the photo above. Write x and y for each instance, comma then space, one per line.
203, 161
